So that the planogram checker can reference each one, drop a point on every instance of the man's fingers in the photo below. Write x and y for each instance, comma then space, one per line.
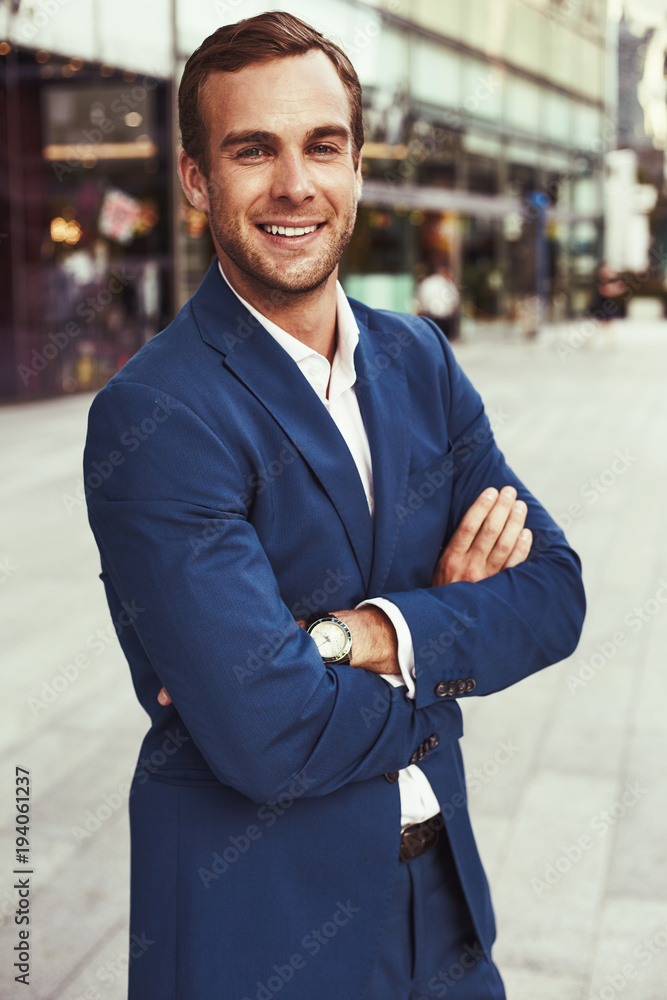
493, 525
163, 697
521, 550
471, 522
507, 539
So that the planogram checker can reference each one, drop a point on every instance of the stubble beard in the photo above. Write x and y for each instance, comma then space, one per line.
302, 278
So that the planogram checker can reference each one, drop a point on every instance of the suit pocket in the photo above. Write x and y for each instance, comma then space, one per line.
423, 516
436, 474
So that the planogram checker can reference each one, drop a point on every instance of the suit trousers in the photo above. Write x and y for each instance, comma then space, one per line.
429, 948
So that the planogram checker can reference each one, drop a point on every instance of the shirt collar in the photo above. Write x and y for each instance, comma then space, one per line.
342, 372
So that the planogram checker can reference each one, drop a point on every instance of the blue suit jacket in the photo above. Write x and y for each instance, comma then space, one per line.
225, 503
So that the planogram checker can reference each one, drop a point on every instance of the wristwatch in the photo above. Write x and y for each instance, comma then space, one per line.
333, 637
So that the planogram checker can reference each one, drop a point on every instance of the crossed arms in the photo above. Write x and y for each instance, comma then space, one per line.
491, 537
203, 613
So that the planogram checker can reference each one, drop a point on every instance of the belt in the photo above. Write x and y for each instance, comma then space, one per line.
419, 837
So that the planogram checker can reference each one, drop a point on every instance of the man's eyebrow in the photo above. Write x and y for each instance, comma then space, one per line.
336, 131
259, 137
247, 138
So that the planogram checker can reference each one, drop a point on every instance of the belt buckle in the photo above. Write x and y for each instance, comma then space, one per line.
419, 837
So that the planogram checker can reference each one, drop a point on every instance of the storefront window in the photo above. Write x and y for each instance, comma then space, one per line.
522, 105
92, 219
433, 62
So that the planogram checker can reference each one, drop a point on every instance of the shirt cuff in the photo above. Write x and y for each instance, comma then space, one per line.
406, 653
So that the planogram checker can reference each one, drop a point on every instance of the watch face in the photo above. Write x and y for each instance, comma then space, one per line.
332, 640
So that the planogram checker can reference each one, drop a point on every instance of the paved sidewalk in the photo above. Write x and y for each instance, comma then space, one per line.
567, 770
570, 793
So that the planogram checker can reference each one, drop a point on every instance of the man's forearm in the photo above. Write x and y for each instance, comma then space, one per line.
374, 641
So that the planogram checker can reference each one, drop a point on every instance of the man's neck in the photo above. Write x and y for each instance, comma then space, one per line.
308, 316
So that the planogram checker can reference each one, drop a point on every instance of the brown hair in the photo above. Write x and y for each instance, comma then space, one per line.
273, 35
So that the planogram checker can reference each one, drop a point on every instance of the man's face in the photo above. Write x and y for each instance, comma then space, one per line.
281, 160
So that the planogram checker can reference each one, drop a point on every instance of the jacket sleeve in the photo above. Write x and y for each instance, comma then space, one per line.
247, 681
495, 631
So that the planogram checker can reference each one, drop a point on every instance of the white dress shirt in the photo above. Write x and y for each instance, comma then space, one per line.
418, 801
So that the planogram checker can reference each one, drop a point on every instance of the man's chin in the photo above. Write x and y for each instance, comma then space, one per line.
297, 282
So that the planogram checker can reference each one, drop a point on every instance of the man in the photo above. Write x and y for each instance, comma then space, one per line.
438, 299
277, 454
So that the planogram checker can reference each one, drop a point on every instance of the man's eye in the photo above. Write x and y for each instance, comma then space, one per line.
323, 148
250, 153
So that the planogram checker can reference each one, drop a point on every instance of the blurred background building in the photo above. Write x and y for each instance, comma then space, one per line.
487, 127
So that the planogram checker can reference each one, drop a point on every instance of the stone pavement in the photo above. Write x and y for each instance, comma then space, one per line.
567, 771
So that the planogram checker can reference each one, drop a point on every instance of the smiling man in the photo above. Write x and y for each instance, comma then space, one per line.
329, 551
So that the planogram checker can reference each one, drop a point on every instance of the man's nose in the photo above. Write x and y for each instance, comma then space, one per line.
291, 179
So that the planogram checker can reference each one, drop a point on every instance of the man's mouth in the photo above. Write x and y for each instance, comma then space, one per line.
290, 231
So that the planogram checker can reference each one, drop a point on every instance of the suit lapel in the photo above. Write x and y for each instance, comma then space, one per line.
382, 391
275, 380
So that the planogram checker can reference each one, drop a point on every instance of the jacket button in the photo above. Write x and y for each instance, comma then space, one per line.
433, 741
413, 758
461, 687
470, 685
441, 689
391, 777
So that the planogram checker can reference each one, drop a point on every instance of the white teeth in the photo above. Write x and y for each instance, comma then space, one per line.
289, 230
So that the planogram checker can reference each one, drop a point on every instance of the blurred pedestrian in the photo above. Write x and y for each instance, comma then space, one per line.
438, 298
608, 302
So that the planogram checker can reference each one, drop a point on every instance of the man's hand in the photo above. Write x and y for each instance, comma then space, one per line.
490, 537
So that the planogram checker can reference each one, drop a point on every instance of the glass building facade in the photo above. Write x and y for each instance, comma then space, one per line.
487, 122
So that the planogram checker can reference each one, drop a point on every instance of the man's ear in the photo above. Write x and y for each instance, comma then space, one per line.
358, 180
193, 182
